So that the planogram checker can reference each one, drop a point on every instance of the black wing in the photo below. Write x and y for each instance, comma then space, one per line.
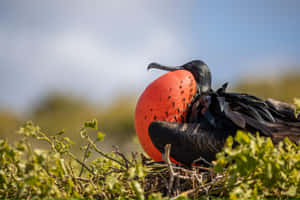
189, 141
222, 114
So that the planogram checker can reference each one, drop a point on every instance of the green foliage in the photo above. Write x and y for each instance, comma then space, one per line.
248, 167
91, 124
257, 169
57, 172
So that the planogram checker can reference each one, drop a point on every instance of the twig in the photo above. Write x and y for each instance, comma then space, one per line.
127, 162
114, 170
205, 168
184, 193
103, 154
166, 158
202, 159
183, 169
134, 155
82, 164
84, 158
78, 178
68, 176
205, 187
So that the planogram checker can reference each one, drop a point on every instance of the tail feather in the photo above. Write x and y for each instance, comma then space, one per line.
271, 118
290, 130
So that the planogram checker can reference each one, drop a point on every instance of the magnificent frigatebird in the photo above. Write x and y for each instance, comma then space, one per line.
180, 108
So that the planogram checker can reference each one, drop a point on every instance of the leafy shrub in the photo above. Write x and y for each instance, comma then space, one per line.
258, 169
254, 168
57, 173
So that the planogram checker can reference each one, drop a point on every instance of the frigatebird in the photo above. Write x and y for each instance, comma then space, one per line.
207, 117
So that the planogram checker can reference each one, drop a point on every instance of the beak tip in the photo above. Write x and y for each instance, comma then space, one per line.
152, 65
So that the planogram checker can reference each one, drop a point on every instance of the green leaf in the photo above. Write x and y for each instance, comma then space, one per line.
100, 136
229, 141
242, 137
292, 191
137, 189
31, 180
60, 132
91, 124
69, 140
269, 171
111, 181
297, 102
3, 178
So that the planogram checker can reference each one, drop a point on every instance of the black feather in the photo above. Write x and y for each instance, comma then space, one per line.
204, 134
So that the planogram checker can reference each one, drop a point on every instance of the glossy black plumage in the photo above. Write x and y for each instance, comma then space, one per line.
214, 115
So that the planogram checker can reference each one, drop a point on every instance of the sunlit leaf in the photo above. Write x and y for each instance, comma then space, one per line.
91, 124
100, 136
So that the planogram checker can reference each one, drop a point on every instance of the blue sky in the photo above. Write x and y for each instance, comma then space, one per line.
100, 49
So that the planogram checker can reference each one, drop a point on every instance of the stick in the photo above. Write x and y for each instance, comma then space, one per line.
84, 158
166, 158
202, 159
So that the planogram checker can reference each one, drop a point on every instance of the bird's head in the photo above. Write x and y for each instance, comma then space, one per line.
169, 97
198, 68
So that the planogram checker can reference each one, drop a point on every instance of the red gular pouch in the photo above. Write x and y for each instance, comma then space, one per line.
166, 99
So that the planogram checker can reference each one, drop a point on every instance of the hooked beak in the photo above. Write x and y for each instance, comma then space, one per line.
198, 68
163, 67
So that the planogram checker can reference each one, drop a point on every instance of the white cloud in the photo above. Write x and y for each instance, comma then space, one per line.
77, 59
106, 45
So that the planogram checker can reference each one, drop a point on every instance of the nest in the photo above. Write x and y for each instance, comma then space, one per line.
175, 181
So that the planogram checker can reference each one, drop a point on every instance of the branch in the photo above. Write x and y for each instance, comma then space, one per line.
84, 159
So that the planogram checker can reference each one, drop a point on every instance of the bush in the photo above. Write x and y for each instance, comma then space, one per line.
258, 169
57, 173
254, 168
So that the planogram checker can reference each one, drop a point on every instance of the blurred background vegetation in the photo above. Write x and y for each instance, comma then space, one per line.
58, 111
284, 87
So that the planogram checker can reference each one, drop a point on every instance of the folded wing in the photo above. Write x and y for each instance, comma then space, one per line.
208, 125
